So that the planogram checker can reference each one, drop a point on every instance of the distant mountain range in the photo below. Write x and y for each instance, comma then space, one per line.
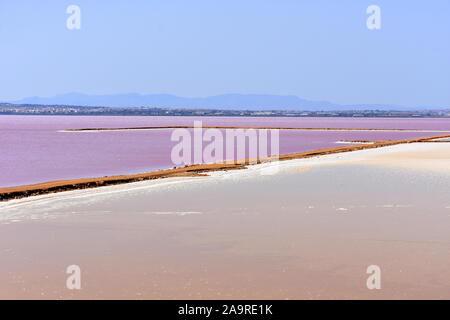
224, 102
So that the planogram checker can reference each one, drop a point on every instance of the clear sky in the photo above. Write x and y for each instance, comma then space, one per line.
315, 49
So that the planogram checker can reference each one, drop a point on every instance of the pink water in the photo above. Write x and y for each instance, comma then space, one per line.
33, 150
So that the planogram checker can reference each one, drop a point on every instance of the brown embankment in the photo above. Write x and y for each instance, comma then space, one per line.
192, 170
258, 128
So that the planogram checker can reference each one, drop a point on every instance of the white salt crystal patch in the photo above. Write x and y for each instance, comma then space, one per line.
178, 213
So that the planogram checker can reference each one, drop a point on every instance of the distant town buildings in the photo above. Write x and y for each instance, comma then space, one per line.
32, 109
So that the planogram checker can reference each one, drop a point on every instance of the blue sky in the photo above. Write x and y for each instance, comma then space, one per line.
315, 49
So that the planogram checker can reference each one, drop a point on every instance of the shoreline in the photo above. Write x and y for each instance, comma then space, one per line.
18, 192
322, 222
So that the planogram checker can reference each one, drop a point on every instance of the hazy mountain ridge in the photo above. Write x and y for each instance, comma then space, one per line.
224, 101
